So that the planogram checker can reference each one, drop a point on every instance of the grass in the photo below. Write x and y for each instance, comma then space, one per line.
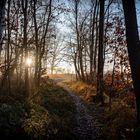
61, 109
50, 115
119, 122
57, 100
85, 91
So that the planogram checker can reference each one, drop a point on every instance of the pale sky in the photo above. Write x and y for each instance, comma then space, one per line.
65, 29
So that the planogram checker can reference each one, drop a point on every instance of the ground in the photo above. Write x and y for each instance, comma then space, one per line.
64, 109
56, 113
88, 126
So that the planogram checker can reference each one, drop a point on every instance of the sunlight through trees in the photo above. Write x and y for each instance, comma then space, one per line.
91, 47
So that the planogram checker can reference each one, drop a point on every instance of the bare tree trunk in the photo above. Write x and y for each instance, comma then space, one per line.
24, 8
76, 68
133, 45
2, 13
36, 43
100, 54
92, 46
43, 43
112, 81
80, 56
96, 44
8, 46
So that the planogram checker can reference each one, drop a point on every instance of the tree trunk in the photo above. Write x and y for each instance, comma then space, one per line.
133, 45
2, 12
80, 49
100, 54
92, 46
41, 49
36, 43
8, 47
24, 8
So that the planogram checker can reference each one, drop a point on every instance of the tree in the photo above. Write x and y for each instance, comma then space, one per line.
36, 40
2, 12
8, 45
93, 44
84, 24
25, 23
56, 51
100, 54
133, 45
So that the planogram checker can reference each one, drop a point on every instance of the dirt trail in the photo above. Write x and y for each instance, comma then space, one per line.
87, 127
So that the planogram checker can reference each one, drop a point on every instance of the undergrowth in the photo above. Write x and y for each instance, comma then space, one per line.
119, 123
85, 91
50, 115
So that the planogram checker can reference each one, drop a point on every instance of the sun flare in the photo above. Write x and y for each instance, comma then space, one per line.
29, 61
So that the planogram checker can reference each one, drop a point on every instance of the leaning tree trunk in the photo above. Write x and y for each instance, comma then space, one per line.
133, 45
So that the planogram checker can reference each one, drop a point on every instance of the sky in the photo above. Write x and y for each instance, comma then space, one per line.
64, 29
138, 13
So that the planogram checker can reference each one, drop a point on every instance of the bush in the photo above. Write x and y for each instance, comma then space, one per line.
35, 126
49, 115
11, 118
119, 121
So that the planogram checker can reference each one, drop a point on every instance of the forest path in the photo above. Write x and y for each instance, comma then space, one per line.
87, 127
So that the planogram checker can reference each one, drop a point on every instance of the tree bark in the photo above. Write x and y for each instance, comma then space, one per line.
8, 47
24, 8
2, 12
100, 54
37, 45
92, 46
80, 49
133, 46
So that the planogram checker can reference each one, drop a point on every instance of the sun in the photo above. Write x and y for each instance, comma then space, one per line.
29, 62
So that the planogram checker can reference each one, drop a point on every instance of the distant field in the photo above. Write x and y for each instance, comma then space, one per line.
68, 77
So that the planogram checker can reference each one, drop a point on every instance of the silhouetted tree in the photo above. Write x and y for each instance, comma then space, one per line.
100, 54
2, 12
133, 45
25, 24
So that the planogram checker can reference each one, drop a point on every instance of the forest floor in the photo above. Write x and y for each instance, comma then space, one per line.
100, 122
63, 109
88, 124
55, 113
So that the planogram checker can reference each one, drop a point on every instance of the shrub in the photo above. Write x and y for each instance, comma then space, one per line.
11, 118
118, 121
35, 126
